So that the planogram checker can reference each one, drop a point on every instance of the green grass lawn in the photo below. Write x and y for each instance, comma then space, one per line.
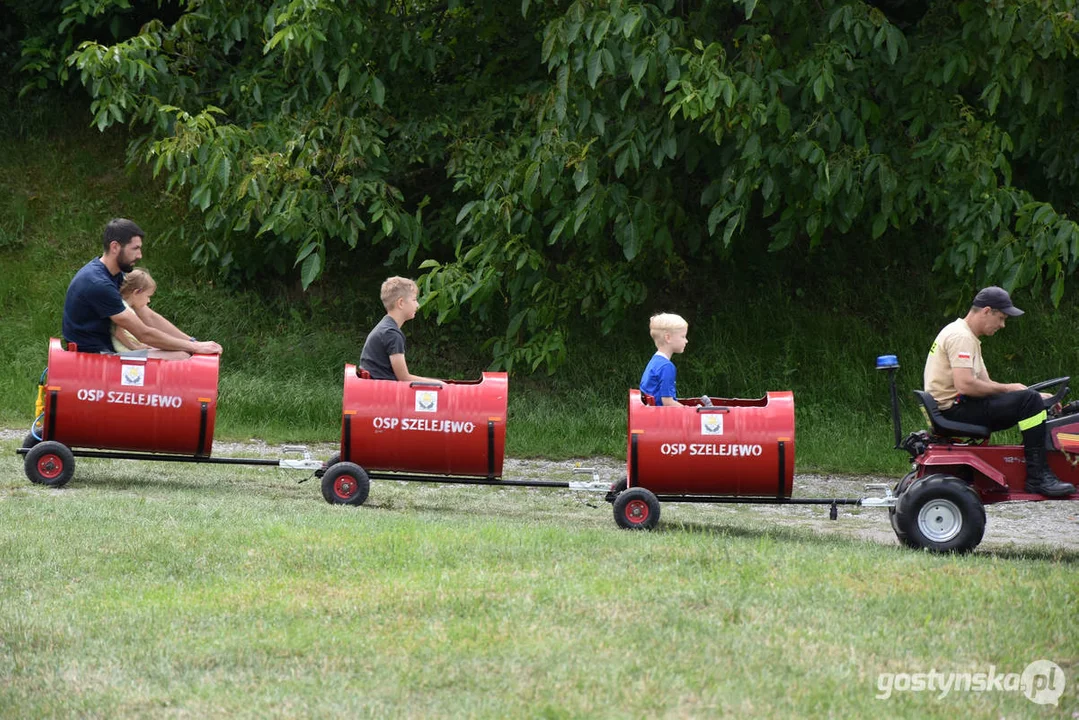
160, 590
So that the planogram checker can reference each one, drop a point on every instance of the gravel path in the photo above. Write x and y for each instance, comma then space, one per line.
1053, 525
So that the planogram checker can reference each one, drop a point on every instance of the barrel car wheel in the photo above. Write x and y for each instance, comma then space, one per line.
345, 483
617, 488
334, 459
29, 441
636, 509
941, 513
49, 463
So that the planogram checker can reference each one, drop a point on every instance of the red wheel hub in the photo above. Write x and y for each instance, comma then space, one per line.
344, 487
636, 511
50, 466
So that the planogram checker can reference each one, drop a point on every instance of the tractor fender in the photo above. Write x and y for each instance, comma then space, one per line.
954, 462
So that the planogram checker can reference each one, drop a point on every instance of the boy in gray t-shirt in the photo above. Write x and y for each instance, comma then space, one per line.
383, 354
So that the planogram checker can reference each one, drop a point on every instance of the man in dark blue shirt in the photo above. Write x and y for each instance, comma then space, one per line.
93, 302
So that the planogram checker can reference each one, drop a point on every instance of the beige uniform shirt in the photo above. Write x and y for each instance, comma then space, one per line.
956, 346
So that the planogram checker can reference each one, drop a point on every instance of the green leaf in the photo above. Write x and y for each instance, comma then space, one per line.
783, 118
732, 225
750, 6
630, 241
894, 38
342, 77
532, 177
378, 91
465, 209
818, 88
224, 170
880, 224
991, 95
595, 67
308, 247
636, 71
312, 266
1057, 292
557, 231
580, 176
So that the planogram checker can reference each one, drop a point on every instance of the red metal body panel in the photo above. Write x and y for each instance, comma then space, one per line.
456, 429
732, 448
117, 403
997, 472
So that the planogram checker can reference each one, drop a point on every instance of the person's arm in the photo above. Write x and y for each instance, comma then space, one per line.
400, 370
129, 321
127, 339
971, 386
155, 320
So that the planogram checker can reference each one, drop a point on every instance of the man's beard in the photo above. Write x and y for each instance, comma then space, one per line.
125, 268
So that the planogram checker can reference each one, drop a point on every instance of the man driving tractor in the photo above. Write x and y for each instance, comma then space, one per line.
956, 377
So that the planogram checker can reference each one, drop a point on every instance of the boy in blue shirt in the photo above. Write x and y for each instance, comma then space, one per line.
669, 333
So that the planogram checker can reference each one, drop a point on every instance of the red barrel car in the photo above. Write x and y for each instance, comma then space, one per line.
123, 403
445, 430
701, 453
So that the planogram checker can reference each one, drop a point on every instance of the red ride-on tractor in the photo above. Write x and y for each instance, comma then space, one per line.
956, 471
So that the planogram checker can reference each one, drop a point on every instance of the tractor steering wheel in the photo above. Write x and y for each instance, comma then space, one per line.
1052, 402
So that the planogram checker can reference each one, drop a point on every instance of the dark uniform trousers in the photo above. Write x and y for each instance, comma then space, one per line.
1024, 408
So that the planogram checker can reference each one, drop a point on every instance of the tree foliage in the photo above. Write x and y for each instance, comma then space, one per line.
548, 159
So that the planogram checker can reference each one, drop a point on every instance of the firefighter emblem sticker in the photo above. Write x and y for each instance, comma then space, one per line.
132, 375
711, 424
426, 401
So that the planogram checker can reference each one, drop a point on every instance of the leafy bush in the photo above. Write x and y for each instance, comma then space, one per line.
557, 158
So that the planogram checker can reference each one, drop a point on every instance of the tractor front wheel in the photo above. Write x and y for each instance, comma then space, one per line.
940, 513
900, 488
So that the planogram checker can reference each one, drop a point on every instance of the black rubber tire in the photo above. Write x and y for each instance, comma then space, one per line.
636, 509
900, 488
949, 504
617, 488
345, 483
49, 463
29, 441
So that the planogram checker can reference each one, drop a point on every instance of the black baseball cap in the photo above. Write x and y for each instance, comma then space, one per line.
998, 299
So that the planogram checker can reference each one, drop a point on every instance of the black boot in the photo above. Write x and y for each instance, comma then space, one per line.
1040, 479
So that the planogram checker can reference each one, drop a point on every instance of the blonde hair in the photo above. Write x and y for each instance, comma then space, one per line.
665, 323
137, 279
396, 288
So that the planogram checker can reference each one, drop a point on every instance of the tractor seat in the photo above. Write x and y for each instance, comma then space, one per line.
945, 427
